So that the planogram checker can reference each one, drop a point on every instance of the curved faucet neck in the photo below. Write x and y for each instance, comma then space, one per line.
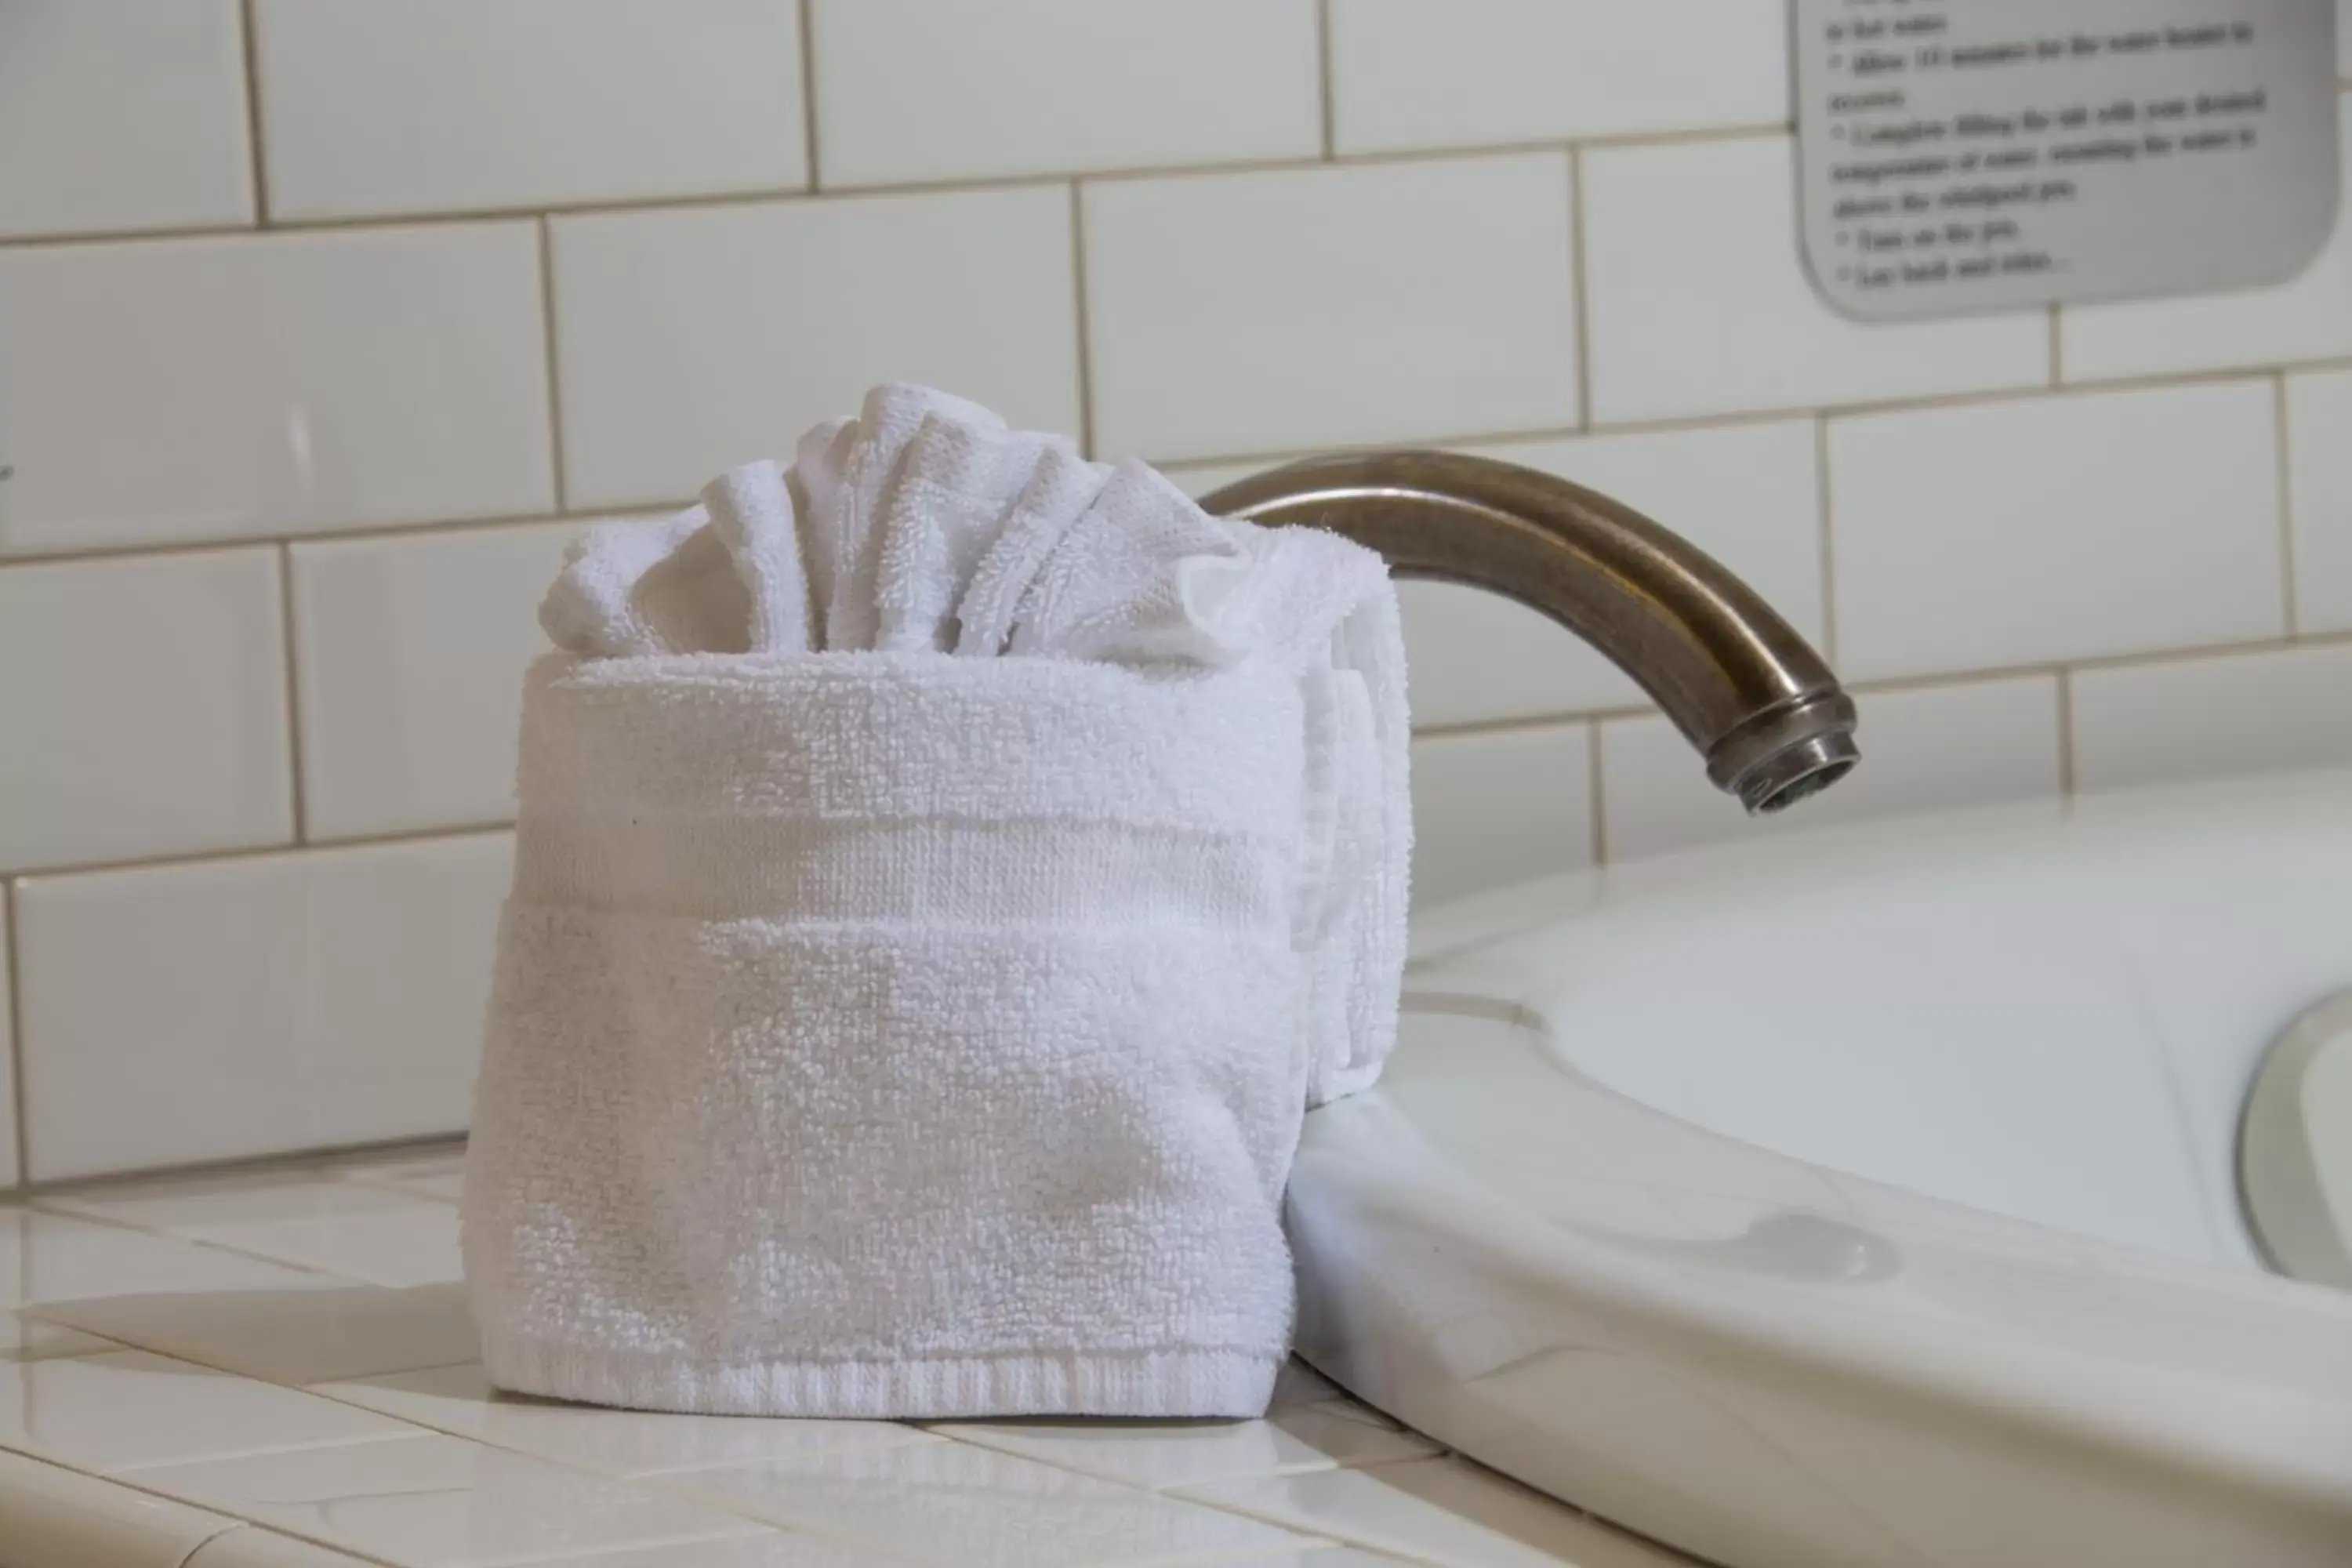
1755, 699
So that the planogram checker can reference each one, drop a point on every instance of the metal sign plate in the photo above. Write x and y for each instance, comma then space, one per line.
1963, 155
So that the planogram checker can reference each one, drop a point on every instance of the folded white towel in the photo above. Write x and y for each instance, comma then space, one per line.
885, 1028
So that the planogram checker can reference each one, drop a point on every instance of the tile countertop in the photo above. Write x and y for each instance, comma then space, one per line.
274, 1368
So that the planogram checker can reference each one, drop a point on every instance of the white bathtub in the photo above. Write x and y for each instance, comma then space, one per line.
1864, 1196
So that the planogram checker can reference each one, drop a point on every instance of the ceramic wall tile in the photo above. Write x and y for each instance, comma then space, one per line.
630, 1444
532, 102
1439, 1510
1490, 809
682, 353
159, 391
126, 1408
409, 1243
1698, 303
45, 1259
438, 1500
1406, 75
2309, 317
1044, 86
1975, 743
290, 1328
1161, 1455
2203, 718
1286, 310
2319, 497
768, 1549
142, 708
278, 1003
250, 1546
11, 1170
118, 115
62, 1517
406, 727
953, 1503
2013, 533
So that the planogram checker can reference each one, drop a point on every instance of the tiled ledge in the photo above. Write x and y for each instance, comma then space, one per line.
273, 1368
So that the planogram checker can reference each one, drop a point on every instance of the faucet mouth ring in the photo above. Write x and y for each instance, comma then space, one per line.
1797, 772
1787, 754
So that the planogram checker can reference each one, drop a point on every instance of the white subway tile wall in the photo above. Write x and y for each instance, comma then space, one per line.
145, 703
408, 656
1494, 809
690, 340
917, 91
1407, 75
72, 161
2290, 708
251, 773
2034, 531
1974, 743
8, 1107
1250, 312
1699, 304
2319, 496
215, 1009
442, 106
163, 391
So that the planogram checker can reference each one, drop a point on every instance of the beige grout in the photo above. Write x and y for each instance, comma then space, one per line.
2286, 457
1596, 788
1828, 539
1579, 288
373, 533
287, 640
762, 195
11, 969
551, 354
1324, 105
1084, 321
805, 15
287, 848
250, 40
2066, 731
1896, 686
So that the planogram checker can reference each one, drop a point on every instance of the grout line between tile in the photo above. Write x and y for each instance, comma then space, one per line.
13, 969
296, 797
1828, 541
2065, 733
2283, 438
1897, 685
556, 479
1594, 786
330, 1164
260, 851
1579, 287
662, 506
1323, 77
1084, 330
371, 533
765, 194
250, 40
804, 15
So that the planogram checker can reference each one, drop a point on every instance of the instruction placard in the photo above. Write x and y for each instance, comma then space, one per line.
1964, 155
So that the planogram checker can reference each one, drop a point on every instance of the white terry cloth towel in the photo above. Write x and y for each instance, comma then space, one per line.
908, 1007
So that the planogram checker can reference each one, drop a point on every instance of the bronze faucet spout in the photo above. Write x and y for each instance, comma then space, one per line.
1755, 699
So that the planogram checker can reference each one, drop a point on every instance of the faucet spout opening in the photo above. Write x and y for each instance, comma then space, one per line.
1743, 687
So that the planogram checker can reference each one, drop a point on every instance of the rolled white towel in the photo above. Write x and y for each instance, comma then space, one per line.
901, 1030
